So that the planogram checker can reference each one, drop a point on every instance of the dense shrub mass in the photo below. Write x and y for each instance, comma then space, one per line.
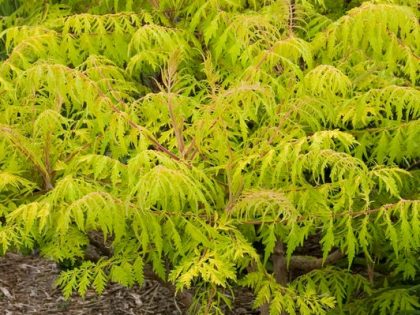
269, 144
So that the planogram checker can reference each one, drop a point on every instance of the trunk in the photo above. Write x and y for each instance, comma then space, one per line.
279, 264
280, 272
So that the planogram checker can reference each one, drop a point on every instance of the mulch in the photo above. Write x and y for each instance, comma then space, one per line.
27, 287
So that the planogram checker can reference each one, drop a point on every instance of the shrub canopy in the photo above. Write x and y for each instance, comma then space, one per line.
268, 144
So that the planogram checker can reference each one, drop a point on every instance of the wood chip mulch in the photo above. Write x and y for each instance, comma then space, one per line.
27, 287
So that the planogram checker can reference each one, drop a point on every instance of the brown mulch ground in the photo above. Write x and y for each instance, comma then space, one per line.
27, 287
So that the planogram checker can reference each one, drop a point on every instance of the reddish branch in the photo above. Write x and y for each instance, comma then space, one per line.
143, 131
14, 139
169, 81
48, 167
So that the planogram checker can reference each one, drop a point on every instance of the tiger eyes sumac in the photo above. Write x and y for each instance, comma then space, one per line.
265, 144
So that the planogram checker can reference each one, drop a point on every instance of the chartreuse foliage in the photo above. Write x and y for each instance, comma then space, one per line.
217, 140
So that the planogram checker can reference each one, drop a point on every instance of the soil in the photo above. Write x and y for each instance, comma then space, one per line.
27, 287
